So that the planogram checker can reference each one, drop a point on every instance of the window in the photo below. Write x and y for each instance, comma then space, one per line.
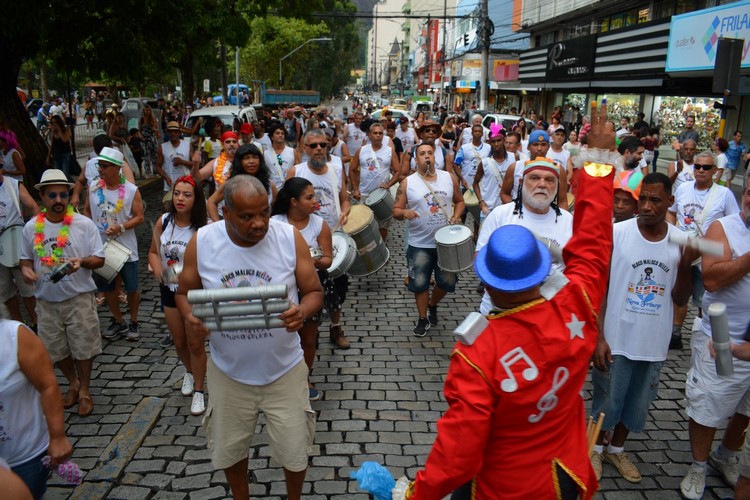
644, 15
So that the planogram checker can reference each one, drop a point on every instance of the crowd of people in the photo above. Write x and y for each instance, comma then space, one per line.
260, 204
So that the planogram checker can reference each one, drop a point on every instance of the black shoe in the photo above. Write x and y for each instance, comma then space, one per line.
675, 342
422, 326
432, 315
480, 289
167, 341
114, 330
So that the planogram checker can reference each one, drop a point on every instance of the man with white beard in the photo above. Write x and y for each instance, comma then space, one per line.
535, 209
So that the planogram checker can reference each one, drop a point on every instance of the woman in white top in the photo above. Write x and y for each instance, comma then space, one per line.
296, 204
720, 148
12, 164
171, 235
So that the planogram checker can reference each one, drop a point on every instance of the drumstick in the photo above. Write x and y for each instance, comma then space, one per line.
589, 427
595, 434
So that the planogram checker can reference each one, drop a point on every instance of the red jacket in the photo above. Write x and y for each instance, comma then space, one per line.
515, 406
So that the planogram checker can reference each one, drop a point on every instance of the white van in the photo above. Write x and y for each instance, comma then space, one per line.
227, 115
421, 106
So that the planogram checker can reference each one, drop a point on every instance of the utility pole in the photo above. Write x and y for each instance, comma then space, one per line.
484, 39
443, 57
428, 55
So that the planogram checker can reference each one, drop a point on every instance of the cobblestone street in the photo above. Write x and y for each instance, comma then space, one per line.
381, 400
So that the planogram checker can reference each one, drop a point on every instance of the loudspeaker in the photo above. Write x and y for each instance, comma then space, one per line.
727, 66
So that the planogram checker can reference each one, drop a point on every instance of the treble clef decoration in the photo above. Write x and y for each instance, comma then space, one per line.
548, 401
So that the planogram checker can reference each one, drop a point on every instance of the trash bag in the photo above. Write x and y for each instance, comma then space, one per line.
374, 479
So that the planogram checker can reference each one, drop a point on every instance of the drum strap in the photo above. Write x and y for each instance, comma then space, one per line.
493, 164
442, 205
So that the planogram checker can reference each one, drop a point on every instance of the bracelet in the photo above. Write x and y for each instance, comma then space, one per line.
596, 155
122, 228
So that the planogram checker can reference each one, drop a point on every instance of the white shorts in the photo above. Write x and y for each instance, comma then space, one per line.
711, 399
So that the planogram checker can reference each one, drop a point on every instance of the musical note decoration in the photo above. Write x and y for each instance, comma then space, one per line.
511, 357
549, 400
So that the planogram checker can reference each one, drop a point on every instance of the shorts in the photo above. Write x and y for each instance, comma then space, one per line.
232, 415
696, 281
34, 474
711, 399
167, 297
9, 275
129, 273
625, 392
421, 263
334, 293
70, 327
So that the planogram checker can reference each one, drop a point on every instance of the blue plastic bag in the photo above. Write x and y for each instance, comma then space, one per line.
374, 479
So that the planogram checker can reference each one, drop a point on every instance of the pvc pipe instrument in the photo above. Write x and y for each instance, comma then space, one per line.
244, 308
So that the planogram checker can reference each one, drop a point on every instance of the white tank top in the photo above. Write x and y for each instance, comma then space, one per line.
254, 357
10, 214
638, 322
10, 165
439, 159
431, 216
374, 168
337, 150
279, 164
23, 429
687, 174
324, 189
103, 215
492, 180
734, 296
168, 151
311, 231
173, 241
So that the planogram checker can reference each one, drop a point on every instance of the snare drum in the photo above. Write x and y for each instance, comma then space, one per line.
10, 245
380, 202
372, 254
455, 248
344, 253
316, 253
472, 204
115, 256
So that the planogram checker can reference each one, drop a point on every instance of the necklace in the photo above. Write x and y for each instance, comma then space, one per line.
62, 237
120, 195
221, 162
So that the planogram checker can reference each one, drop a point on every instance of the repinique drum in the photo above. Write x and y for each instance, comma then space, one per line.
115, 256
10, 245
380, 202
472, 203
455, 248
372, 254
344, 253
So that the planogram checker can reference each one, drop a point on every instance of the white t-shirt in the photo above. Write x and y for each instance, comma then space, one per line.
23, 433
173, 171
638, 320
690, 204
431, 216
560, 157
253, 357
279, 164
408, 137
325, 190
355, 138
10, 213
468, 157
172, 244
558, 231
374, 168
492, 180
685, 175
103, 215
83, 241
721, 161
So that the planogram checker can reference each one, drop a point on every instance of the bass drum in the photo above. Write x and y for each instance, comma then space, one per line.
472, 204
372, 254
344, 253
455, 248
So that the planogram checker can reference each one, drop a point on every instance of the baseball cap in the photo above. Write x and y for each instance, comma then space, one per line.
538, 136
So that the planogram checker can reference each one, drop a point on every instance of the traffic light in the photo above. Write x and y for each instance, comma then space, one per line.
466, 39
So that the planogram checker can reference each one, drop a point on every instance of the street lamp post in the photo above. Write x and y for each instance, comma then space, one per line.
324, 39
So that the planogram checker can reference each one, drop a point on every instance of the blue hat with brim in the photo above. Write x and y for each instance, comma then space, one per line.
513, 260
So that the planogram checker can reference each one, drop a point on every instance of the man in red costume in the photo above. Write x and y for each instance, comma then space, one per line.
515, 428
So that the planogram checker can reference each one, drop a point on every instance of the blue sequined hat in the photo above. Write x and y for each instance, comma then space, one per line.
513, 260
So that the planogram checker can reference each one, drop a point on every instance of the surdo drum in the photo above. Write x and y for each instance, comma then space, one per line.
372, 254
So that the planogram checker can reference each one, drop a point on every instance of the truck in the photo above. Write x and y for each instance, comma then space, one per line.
271, 97
232, 93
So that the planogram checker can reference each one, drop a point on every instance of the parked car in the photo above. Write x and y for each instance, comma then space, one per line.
399, 104
133, 107
33, 105
507, 121
227, 115
397, 113
421, 107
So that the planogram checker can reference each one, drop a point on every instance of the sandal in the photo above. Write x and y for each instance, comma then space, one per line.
122, 297
100, 301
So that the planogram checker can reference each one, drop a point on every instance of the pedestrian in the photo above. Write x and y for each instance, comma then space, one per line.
88, 107
682, 170
720, 148
137, 149
424, 199
627, 193
688, 133
118, 132
258, 370
736, 153
171, 235
60, 250
280, 157
491, 172
647, 276
296, 205
219, 168
148, 126
12, 162
59, 154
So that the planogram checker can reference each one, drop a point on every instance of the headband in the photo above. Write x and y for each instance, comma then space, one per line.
229, 135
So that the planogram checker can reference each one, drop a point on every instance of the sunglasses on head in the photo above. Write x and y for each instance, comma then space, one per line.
703, 167
316, 145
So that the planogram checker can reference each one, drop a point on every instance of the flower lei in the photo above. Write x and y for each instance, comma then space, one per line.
120, 195
62, 237
221, 162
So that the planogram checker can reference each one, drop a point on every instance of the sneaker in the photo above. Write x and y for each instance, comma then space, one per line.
597, 459
114, 330
432, 315
188, 382
729, 468
314, 394
693, 484
675, 342
133, 334
625, 467
338, 338
167, 341
198, 405
422, 326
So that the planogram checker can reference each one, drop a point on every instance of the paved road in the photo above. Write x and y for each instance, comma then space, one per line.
381, 401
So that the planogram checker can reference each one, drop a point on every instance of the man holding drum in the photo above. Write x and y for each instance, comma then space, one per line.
424, 199
60, 249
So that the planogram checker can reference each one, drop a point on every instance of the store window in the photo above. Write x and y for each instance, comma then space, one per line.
671, 112
621, 106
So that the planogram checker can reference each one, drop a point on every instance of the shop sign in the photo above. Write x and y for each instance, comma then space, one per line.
472, 68
572, 59
505, 70
466, 84
694, 37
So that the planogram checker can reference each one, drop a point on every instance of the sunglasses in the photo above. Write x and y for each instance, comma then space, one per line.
63, 195
316, 145
703, 167
278, 157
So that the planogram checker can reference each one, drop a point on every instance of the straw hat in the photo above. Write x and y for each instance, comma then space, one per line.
53, 177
